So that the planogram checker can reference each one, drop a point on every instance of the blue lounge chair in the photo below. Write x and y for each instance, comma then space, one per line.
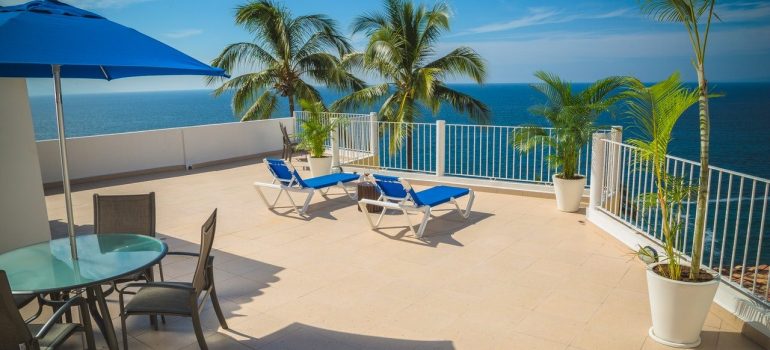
287, 179
397, 194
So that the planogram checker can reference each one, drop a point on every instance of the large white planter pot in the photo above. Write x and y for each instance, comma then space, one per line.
320, 166
568, 193
678, 308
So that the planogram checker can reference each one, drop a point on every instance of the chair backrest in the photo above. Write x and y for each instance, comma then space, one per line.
125, 214
396, 188
13, 330
390, 186
201, 277
280, 170
286, 138
284, 174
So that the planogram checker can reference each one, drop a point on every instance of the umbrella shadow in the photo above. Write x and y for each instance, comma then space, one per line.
59, 229
302, 336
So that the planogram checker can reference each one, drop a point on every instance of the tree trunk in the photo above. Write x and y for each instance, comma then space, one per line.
703, 184
291, 105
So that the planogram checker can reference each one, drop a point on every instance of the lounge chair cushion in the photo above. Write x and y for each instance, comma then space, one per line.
390, 186
328, 180
438, 195
280, 170
160, 300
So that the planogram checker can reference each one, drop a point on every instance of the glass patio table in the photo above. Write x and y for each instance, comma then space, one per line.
48, 267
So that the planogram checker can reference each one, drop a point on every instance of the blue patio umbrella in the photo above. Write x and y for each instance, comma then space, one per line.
50, 39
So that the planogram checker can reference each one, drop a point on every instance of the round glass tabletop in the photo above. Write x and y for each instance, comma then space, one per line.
48, 266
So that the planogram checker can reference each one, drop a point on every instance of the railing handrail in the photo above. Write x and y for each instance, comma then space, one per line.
688, 161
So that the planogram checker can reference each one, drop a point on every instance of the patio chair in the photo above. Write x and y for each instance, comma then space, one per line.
289, 145
178, 298
286, 179
397, 194
15, 331
127, 214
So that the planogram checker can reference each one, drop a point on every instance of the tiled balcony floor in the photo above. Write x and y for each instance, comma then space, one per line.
517, 275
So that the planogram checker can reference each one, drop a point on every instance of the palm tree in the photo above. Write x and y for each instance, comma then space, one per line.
571, 114
401, 51
692, 14
655, 111
288, 50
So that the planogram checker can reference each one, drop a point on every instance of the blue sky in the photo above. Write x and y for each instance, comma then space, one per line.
580, 40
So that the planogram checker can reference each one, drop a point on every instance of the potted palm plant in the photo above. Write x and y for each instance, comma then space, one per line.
315, 131
679, 304
572, 115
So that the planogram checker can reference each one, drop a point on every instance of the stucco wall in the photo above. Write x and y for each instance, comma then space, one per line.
101, 155
22, 207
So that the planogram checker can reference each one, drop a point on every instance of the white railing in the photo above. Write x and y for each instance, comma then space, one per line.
735, 216
473, 151
486, 151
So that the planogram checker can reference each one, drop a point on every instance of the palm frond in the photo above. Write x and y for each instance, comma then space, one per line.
262, 108
463, 103
365, 97
241, 53
461, 62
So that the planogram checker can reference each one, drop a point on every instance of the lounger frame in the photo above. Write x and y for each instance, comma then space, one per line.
293, 186
406, 205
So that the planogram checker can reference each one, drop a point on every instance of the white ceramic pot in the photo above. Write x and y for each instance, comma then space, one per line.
568, 192
678, 308
320, 166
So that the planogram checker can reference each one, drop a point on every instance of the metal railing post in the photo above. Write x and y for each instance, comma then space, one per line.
335, 143
374, 138
440, 149
597, 170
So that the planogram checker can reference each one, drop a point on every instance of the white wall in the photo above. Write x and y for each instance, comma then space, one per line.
136, 151
22, 206
223, 141
112, 154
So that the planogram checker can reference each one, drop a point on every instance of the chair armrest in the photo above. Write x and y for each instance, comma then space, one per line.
183, 253
171, 285
58, 314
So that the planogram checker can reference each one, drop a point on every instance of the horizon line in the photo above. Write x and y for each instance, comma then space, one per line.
711, 83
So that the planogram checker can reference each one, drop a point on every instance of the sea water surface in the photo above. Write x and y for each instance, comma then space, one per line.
740, 136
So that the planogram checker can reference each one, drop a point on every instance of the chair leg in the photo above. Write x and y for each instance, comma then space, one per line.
426, 216
85, 320
217, 309
123, 321
198, 329
160, 272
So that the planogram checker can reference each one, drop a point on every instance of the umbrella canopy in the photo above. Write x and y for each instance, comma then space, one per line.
50, 39
38, 34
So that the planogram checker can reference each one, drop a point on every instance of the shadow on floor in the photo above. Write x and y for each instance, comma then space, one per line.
238, 279
302, 336
59, 229
323, 209
726, 340
440, 228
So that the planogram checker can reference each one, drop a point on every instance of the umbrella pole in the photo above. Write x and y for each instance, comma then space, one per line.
63, 156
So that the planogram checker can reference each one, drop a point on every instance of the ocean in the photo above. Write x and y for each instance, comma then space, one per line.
740, 119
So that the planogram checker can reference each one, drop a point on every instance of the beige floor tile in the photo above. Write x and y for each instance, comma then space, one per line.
518, 274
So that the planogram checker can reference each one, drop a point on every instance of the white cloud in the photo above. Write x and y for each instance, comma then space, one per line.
535, 17
743, 12
184, 33
649, 55
541, 16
